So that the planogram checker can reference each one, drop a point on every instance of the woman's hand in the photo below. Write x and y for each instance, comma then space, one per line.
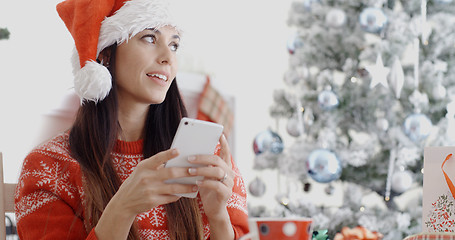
216, 188
143, 190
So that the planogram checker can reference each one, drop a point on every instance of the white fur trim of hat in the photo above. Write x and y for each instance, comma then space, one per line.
93, 81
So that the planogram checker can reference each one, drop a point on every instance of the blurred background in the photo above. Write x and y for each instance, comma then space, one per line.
233, 42
241, 45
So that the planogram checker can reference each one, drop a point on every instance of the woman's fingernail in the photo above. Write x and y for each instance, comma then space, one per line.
191, 158
192, 171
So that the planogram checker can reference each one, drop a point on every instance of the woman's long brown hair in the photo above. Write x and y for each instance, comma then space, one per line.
92, 139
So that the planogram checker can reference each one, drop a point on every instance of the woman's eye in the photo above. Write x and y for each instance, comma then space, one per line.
149, 38
174, 47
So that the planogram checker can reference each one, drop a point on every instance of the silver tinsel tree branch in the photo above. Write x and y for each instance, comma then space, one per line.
366, 127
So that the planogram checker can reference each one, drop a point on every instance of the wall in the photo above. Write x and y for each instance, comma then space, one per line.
242, 44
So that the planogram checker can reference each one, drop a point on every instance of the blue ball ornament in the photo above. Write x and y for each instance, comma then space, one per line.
327, 100
268, 141
372, 20
417, 127
323, 166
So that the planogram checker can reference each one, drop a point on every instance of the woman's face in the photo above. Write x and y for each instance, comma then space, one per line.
146, 65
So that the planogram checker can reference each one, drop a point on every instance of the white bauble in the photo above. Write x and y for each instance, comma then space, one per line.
396, 77
304, 72
382, 124
401, 181
439, 92
335, 18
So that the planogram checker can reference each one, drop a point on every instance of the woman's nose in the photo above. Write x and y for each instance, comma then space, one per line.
165, 56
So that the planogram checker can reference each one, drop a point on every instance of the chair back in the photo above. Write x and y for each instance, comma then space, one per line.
6, 200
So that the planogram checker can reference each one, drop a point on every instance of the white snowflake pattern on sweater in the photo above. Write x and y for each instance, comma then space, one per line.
51, 180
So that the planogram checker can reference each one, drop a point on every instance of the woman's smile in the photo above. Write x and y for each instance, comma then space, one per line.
159, 77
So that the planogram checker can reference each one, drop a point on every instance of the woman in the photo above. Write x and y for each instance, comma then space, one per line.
104, 179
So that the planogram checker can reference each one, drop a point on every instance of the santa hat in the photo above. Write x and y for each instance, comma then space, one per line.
97, 24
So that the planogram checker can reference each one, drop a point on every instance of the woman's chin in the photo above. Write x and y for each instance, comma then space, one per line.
157, 100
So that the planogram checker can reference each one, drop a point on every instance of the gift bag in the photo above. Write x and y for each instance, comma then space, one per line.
438, 212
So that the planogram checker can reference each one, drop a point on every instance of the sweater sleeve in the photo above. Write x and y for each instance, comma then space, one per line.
48, 201
237, 206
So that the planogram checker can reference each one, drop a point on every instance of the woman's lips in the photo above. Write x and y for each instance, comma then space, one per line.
160, 78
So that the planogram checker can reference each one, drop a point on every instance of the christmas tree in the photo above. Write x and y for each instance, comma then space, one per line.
370, 84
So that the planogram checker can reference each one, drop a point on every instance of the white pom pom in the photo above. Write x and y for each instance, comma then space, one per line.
92, 82
401, 181
335, 18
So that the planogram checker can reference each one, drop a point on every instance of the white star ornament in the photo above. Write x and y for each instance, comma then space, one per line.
378, 73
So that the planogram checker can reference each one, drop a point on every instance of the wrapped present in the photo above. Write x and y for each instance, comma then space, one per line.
438, 210
432, 236
357, 233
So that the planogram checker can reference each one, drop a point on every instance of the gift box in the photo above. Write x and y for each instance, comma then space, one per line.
357, 233
438, 211
432, 236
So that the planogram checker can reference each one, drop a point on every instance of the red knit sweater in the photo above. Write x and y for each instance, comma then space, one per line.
50, 193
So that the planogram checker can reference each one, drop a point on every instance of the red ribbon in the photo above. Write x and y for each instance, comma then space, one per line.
449, 182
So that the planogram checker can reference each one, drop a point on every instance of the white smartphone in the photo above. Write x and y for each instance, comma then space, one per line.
193, 137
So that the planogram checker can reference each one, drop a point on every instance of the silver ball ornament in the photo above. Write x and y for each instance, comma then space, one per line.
294, 127
257, 187
372, 20
327, 100
323, 166
417, 127
268, 141
401, 181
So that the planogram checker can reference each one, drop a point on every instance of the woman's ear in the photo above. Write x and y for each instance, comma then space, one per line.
104, 56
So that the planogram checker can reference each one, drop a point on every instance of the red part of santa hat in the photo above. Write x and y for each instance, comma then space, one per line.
97, 24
